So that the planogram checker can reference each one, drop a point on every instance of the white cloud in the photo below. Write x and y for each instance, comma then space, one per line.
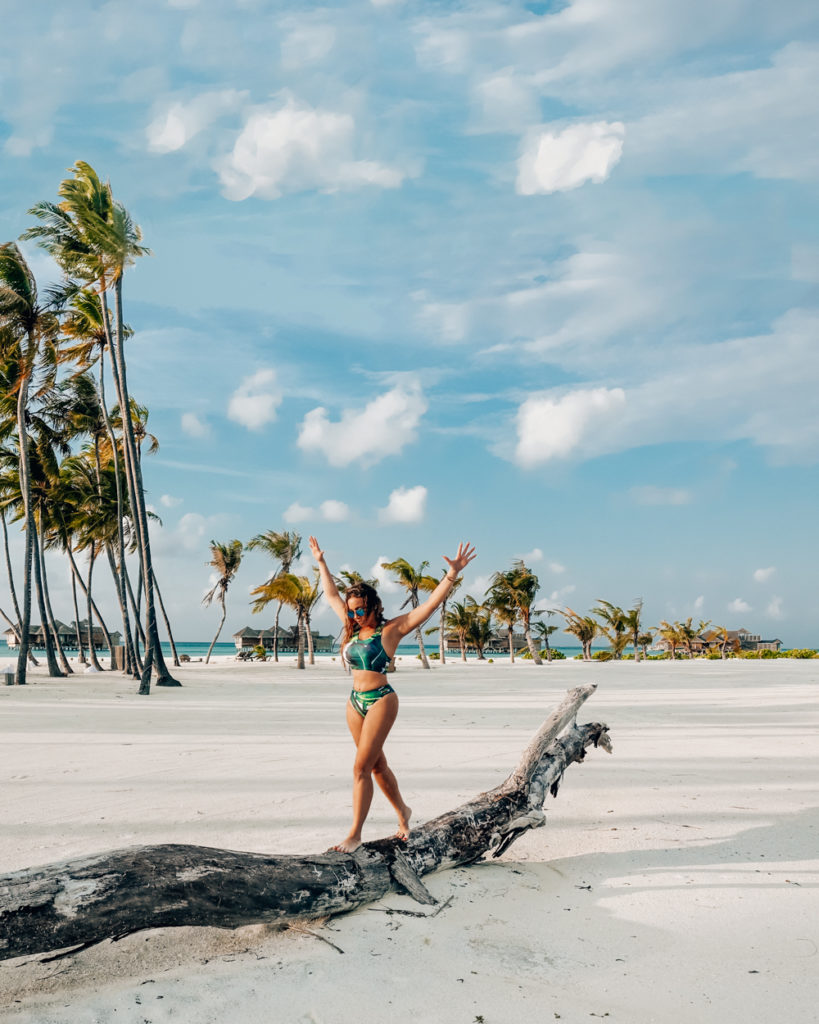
699, 603
551, 428
305, 42
535, 555
330, 511
297, 513
180, 121
557, 568
383, 427
384, 578
193, 426
449, 321
405, 505
738, 605
774, 609
559, 161
254, 402
556, 597
648, 494
292, 148
334, 511
763, 575
506, 103
169, 501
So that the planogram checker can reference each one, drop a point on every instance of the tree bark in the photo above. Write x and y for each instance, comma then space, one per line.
219, 630
28, 519
52, 625
85, 901
166, 619
54, 669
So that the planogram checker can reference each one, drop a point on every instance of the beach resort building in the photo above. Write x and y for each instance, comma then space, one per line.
739, 640
249, 637
67, 635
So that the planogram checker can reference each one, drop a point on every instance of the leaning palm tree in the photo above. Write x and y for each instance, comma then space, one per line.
479, 632
225, 559
722, 637
670, 632
294, 591
311, 595
518, 587
506, 613
583, 627
283, 547
28, 328
413, 580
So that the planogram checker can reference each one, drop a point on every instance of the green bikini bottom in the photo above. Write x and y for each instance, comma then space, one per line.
363, 700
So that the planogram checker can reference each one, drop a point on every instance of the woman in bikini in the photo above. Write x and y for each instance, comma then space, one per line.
370, 641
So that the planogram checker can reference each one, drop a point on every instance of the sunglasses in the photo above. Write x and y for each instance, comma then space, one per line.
353, 612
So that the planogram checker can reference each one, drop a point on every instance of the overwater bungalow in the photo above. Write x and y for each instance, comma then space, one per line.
248, 637
67, 634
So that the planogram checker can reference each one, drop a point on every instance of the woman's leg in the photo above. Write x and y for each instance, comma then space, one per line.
369, 734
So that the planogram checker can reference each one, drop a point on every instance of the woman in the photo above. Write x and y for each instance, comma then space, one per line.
370, 642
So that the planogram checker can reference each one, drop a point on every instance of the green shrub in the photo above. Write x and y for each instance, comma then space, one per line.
491, 660
556, 655
714, 656
602, 656
800, 652
435, 656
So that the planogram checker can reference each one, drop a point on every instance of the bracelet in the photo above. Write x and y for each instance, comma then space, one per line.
449, 579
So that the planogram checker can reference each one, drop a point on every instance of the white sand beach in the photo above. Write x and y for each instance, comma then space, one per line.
674, 881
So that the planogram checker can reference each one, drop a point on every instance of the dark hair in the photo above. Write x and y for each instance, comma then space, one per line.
372, 603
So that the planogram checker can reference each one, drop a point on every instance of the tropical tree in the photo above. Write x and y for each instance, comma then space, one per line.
28, 327
506, 613
670, 632
442, 621
543, 631
458, 619
633, 625
614, 624
479, 631
225, 559
688, 633
311, 595
518, 587
721, 634
283, 547
297, 592
413, 580
93, 238
645, 640
583, 627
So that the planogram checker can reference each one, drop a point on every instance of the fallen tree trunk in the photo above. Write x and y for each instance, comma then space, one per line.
82, 902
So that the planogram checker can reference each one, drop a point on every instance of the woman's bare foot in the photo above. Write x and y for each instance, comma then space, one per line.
348, 845
403, 824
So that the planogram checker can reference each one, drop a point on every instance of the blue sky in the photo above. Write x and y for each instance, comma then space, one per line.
541, 276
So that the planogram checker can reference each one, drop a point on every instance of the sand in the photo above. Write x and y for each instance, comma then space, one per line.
674, 881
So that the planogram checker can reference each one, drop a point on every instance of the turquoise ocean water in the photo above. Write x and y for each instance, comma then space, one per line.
198, 649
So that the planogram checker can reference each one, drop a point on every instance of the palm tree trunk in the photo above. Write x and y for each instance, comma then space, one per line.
300, 631
131, 662
51, 661
13, 590
530, 643
219, 630
167, 622
548, 649
67, 669
28, 519
276, 631
462, 641
80, 648
133, 470
311, 655
636, 647
89, 605
442, 635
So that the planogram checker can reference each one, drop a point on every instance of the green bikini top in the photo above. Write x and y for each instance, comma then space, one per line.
366, 655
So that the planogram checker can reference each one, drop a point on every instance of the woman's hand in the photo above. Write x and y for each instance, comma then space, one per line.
315, 550
462, 559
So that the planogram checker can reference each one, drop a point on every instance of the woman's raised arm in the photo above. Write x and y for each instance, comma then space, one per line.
335, 600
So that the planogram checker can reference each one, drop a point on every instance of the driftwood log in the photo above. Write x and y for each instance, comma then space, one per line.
81, 902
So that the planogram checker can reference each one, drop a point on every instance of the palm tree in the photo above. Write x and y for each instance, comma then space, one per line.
614, 624
672, 636
507, 615
631, 621
413, 580
543, 632
28, 327
583, 627
721, 634
479, 631
644, 640
442, 621
283, 547
294, 591
518, 587
94, 240
225, 559
457, 621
